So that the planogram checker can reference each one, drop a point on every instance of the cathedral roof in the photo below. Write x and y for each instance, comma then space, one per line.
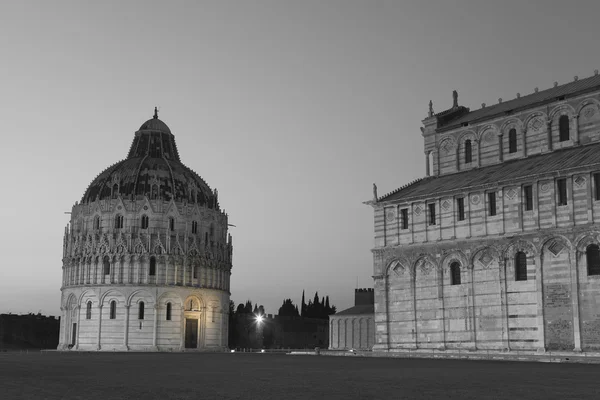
153, 169
358, 310
576, 87
559, 162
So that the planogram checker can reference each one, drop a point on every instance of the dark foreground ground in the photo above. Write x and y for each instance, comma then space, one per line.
276, 376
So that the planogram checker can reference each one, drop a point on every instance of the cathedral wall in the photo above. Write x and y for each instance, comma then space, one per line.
488, 325
558, 307
511, 214
401, 307
521, 300
489, 137
428, 307
589, 287
554, 308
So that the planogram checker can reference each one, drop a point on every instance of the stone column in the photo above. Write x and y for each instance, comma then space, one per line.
176, 272
413, 288
500, 208
471, 302
458, 157
427, 172
576, 129
126, 330
167, 262
536, 203
570, 199
574, 270
503, 304
155, 328
500, 149
590, 197
440, 282
549, 134
182, 324
95, 262
381, 309
539, 286
78, 326
99, 325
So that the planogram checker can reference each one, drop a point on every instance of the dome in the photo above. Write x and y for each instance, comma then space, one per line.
152, 169
155, 124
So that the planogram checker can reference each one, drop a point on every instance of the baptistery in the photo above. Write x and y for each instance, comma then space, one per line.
146, 256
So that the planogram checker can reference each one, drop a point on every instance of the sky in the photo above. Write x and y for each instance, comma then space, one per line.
291, 109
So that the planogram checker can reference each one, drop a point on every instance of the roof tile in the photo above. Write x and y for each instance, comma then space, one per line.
505, 173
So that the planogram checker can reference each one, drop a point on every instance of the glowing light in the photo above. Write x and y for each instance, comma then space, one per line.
262, 351
233, 351
259, 318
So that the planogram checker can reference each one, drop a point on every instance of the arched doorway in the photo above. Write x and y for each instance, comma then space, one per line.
193, 322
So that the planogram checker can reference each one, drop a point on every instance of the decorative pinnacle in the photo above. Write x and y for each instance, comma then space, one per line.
155, 113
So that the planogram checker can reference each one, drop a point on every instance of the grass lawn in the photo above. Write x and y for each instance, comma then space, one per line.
275, 376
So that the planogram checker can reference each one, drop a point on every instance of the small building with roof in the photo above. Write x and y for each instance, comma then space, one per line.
497, 247
354, 328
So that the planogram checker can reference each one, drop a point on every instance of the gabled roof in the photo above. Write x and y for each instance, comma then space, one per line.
558, 162
533, 99
357, 310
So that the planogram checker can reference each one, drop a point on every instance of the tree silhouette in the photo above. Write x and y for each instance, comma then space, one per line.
288, 309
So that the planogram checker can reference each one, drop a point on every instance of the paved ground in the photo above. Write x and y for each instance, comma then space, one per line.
275, 376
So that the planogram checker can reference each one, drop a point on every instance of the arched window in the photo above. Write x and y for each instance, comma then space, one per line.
194, 227
195, 272
171, 224
106, 265
118, 221
141, 310
97, 222
592, 253
115, 191
152, 271
88, 310
512, 141
520, 266
455, 273
563, 128
113, 310
168, 311
144, 221
468, 152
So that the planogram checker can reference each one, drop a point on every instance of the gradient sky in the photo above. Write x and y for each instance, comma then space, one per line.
291, 109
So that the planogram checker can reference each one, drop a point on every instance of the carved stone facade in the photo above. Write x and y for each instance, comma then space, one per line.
147, 257
497, 248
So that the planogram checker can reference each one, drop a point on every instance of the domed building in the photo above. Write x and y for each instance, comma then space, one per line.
147, 256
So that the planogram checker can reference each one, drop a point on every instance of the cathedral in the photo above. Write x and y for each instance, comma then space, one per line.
146, 256
497, 247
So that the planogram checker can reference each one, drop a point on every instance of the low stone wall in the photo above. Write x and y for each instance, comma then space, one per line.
555, 356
